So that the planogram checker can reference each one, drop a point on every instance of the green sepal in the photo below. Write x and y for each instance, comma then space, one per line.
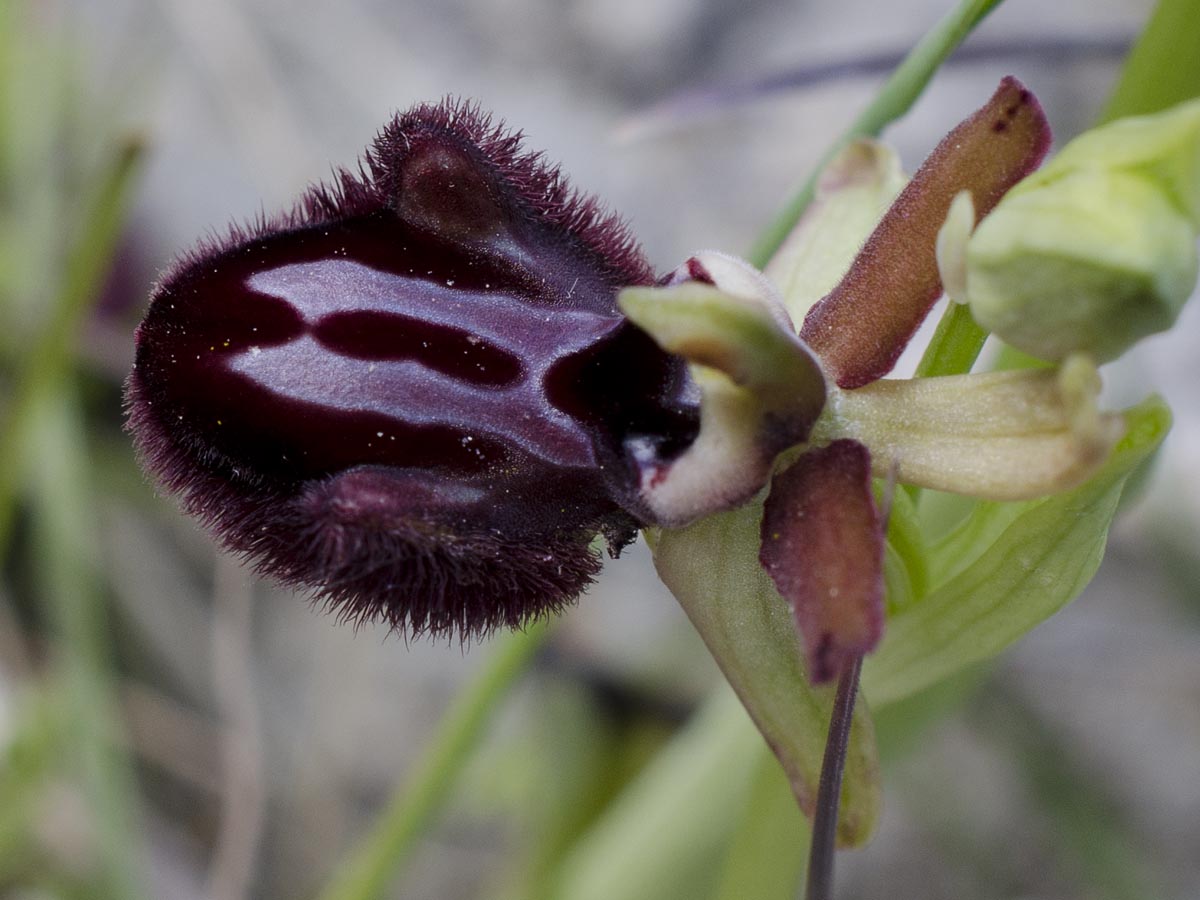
853, 192
1092, 263
744, 339
712, 568
1005, 569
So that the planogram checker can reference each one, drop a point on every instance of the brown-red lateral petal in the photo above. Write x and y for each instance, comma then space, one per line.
862, 326
822, 545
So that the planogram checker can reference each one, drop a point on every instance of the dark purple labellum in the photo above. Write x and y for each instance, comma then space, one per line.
414, 392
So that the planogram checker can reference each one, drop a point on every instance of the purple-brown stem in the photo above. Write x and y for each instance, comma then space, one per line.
824, 832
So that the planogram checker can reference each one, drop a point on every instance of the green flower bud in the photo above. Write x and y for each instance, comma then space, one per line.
1164, 148
1098, 249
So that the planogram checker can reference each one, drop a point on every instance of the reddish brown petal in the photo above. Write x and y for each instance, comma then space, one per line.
860, 329
822, 545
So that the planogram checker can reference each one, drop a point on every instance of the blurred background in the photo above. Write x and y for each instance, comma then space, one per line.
172, 728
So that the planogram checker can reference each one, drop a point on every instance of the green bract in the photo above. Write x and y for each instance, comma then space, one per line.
712, 567
1098, 249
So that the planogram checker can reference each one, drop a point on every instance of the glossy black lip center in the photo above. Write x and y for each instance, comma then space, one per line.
311, 352
387, 337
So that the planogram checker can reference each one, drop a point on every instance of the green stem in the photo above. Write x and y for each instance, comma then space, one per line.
1164, 66
955, 345
368, 871
50, 354
763, 859
64, 535
895, 99
829, 793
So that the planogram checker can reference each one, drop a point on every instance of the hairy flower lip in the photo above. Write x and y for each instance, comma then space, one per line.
413, 393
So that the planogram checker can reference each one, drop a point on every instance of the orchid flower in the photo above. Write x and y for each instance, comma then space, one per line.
425, 391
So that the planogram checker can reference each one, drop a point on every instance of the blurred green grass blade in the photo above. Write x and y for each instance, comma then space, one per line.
1163, 68
68, 576
894, 99
45, 178
32, 751
570, 760
367, 872
664, 836
1093, 834
768, 856
50, 355
901, 726
1038, 562
955, 345
7, 42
